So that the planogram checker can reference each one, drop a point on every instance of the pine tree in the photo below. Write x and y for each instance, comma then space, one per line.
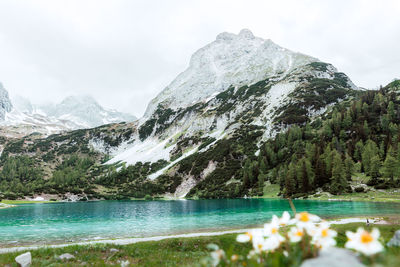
374, 172
366, 129
327, 131
391, 111
370, 150
385, 120
290, 181
327, 156
393, 129
261, 179
320, 173
382, 149
347, 120
339, 182
305, 175
390, 167
349, 167
263, 165
358, 150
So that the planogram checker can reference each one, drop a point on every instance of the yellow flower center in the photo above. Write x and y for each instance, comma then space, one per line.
366, 238
274, 230
324, 233
259, 246
304, 217
299, 233
249, 235
219, 253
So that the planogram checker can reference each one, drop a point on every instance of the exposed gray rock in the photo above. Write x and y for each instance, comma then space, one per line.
112, 250
24, 260
66, 256
334, 257
395, 241
5, 102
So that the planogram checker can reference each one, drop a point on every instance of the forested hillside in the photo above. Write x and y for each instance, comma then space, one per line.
358, 135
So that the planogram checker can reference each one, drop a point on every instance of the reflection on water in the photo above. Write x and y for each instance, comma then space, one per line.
33, 223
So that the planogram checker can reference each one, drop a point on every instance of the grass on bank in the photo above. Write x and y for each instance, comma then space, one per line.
174, 252
375, 195
387, 195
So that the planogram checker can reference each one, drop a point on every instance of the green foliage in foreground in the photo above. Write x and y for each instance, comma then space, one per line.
176, 252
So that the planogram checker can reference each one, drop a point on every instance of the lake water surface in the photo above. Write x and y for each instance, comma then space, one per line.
64, 222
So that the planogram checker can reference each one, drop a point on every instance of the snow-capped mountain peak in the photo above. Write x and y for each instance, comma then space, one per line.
232, 59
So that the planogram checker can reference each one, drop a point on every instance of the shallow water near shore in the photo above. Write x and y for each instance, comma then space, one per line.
74, 222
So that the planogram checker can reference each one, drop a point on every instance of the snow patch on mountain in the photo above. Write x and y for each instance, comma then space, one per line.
150, 150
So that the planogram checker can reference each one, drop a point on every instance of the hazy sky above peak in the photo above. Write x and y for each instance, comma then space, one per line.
124, 52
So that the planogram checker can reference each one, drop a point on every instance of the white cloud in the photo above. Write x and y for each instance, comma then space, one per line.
125, 52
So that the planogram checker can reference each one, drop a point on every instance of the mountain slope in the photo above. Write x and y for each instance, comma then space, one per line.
288, 88
199, 143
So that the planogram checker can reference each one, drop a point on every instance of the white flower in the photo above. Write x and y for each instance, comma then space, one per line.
323, 236
244, 238
306, 221
259, 244
247, 237
216, 256
284, 220
271, 230
272, 243
364, 242
295, 234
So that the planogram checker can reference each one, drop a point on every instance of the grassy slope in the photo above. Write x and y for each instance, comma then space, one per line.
172, 252
382, 195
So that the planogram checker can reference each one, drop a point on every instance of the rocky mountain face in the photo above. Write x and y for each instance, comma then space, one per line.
236, 80
237, 92
5, 103
231, 60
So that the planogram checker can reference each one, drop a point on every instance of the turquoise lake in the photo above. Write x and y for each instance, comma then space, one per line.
69, 222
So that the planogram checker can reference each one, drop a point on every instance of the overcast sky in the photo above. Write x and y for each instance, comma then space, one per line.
123, 52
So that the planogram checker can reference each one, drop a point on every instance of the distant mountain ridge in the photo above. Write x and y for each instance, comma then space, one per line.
74, 112
85, 111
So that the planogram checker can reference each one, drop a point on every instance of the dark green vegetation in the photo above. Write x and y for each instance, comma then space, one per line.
57, 164
177, 252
